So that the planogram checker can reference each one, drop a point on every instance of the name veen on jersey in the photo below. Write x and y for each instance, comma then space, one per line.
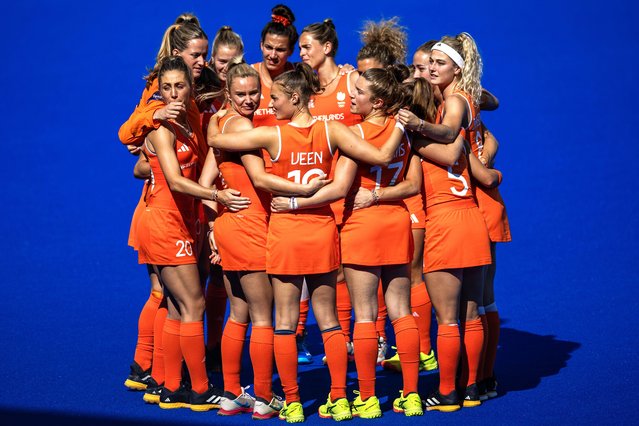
306, 158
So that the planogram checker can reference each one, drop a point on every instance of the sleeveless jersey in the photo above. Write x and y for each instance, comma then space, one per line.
160, 195
335, 106
372, 177
234, 176
472, 133
304, 153
265, 116
444, 184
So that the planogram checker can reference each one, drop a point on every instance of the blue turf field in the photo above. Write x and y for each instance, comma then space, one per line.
565, 74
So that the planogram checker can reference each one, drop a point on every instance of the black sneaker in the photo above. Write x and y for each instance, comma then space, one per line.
487, 388
208, 400
446, 403
471, 396
179, 399
152, 393
138, 379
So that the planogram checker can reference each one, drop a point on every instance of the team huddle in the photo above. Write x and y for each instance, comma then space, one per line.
281, 185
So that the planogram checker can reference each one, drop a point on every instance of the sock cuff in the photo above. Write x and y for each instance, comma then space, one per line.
481, 310
172, 326
328, 330
262, 335
448, 330
404, 323
473, 325
192, 329
284, 332
491, 308
365, 330
235, 330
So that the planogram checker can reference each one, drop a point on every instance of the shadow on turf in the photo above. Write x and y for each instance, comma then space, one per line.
524, 359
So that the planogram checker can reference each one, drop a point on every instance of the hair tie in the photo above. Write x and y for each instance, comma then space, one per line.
281, 20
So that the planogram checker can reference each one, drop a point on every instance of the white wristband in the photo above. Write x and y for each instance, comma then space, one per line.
292, 203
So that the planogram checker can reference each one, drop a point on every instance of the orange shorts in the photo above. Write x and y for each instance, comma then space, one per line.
377, 235
241, 241
455, 238
301, 244
415, 206
492, 207
165, 238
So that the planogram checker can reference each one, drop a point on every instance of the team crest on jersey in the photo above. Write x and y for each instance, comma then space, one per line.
155, 97
341, 97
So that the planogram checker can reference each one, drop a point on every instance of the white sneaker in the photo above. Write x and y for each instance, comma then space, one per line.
350, 353
263, 411
382, 346
242, 404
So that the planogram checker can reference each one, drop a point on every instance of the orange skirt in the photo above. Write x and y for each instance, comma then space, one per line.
165, 238
377, 235
301, 244
455, 239
241, 241
492, 207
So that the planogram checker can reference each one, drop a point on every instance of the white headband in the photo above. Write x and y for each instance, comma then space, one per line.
452, 53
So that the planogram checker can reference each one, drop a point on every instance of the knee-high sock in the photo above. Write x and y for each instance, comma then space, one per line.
144, 346
215, 311
172, 354
365, 348
421, 306
407, 341
382, 312
192, 344
492, 317
261, 350
301, 322
157, 372
344, 308
336, 360
285, 349
473, 333
448, 346
232, 348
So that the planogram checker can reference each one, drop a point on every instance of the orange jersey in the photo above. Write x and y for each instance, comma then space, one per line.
368, 233
302, 241
141, 121
444, 184
166, 230
335, 106
236, 177
473, 132
265, 116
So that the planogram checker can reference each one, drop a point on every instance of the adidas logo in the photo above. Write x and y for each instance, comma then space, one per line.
183, 148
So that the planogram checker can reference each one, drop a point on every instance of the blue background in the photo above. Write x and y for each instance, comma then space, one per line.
565, 73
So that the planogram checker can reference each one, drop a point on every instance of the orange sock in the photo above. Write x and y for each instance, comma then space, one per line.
232, 347
365, 348
448, 345
344, 308
157, 371
407, 342
144, 346
261, 349
172, 354
482, 360
285, 349
301, 323
421, 307
473, 332
382, 312
492, 317
192, 343
336, 360
215, 311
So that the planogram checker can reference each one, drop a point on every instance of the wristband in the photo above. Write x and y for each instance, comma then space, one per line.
375, 196
421, 125
292, 203
214, 195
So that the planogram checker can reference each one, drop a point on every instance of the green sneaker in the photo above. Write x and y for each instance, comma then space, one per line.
411, 405
369, 409
292, 413
428, 362
392, 363
338, 410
